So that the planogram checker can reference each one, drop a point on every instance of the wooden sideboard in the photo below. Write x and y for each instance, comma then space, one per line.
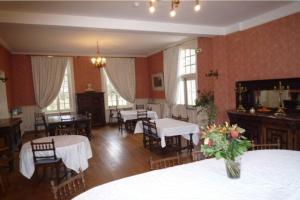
92, 102
10, 133
266, 128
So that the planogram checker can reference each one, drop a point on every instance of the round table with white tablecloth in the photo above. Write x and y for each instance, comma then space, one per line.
265, 175
74, 150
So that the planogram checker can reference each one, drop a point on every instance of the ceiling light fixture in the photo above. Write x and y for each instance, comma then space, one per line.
98, 61
151, 6
197, 6
174, 6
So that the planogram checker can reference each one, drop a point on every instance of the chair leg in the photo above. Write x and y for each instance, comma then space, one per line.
57, 173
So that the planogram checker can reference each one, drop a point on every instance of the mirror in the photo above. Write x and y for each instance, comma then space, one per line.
261, 94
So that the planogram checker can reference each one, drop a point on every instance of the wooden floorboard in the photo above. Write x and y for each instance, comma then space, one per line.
115, 156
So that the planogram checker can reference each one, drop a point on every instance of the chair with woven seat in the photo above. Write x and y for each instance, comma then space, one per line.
83, 128
265, 146
139, 107
49, 159
165, 162
69, 188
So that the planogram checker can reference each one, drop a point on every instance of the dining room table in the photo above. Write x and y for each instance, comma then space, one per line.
55, 121
265, 175
127, 115
74, 150
168, 127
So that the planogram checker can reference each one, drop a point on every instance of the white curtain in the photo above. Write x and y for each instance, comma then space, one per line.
48, 74
121, 73
171, 74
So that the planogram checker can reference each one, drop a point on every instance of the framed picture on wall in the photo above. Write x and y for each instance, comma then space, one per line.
158, 81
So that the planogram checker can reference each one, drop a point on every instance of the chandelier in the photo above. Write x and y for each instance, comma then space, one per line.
98, 61
174, 6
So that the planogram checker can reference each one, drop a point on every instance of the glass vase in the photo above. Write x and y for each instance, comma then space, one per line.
233, 168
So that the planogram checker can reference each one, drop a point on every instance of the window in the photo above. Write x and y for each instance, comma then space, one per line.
187, 87
63, 102
113, 97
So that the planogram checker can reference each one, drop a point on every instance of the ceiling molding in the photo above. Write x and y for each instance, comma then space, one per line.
74, 55
107, 23
264, 18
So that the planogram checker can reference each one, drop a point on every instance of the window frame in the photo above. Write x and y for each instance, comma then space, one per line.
187, 77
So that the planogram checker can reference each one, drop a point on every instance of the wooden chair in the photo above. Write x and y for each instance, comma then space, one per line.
185, 119
113, 111
120, 122
139, 107
50, 160
176, 117
81, 128
2, 183
197, 155
165, 162
39, 122
265, 146
6, 158
151, 134
69, 188
142, 115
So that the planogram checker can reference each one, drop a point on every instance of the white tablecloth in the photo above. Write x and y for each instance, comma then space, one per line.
74, 150
132, 114
171, 127
265, 175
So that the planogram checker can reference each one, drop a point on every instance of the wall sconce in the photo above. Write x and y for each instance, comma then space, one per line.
212, 73
2, 77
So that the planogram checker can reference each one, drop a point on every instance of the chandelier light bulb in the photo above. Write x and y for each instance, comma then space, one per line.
152, 9
197, 7
173, 13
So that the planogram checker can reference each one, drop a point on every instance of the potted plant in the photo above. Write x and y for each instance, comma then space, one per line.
205, 103
227, 142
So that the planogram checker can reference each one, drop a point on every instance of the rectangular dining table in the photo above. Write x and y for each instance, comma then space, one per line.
132, 115
265, 175
55, 121
168, 127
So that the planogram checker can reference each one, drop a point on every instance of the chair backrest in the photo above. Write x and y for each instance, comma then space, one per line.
197, 155
176, 117
139, 107
165, 162
119, 116
112, 110
149, 128
39, 147
142, 114
65, 131
38, 116
185, 119
69, 188
266, 146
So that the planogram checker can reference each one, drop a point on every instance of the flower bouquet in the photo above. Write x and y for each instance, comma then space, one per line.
227, 142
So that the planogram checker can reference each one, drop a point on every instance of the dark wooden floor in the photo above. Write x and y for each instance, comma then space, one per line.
114, 156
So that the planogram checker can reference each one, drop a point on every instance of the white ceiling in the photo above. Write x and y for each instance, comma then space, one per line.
124, 29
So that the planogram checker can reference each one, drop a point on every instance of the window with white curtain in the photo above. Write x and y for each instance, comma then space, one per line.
64, 101
187, 87
113, 97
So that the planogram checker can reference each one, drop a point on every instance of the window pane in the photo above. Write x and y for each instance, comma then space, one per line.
191, 92
180, 93
193, 60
